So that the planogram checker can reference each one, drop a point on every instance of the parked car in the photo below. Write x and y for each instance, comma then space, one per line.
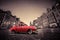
23, 29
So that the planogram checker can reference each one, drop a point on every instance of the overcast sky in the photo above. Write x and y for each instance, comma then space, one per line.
26, 10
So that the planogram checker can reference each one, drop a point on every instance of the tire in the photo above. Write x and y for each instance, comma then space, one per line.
29, 31
13, 32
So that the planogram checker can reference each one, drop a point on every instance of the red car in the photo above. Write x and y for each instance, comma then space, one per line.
27, 29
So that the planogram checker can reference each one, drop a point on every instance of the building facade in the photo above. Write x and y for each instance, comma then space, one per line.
49, 19
41, 22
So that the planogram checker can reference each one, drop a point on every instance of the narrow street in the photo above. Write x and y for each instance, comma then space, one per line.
43, 34
23, 37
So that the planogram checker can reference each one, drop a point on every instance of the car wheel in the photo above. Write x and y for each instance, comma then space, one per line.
13, 32
29, 31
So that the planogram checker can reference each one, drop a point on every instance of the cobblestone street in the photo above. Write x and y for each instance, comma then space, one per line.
43, 34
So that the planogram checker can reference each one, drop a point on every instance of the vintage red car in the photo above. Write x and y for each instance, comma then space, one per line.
23, 29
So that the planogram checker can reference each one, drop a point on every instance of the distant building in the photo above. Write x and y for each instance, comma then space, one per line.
54, 15
49, 19
35, 23
41, 22
7, 19
31, 23
56, 12
45, 20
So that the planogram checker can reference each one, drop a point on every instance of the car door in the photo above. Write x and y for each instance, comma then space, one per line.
24, 29
19, 28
